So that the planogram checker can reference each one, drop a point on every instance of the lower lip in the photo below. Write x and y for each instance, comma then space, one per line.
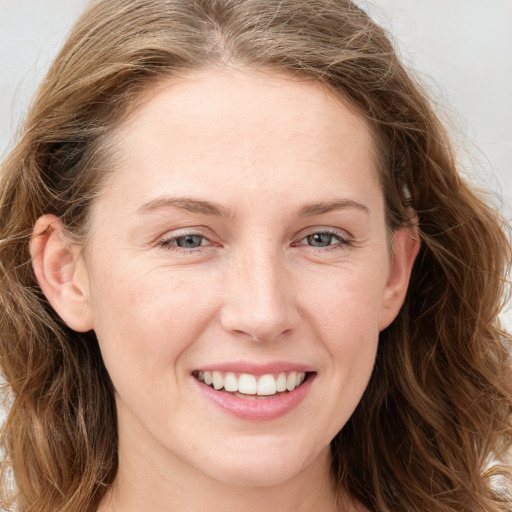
259, 409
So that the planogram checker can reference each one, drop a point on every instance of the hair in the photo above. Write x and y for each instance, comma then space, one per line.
434, 422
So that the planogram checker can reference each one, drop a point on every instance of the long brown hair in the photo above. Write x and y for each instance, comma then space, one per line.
435, 419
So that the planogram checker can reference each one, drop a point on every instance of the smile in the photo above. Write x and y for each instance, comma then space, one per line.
247, 384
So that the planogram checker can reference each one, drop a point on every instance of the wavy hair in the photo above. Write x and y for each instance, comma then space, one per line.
435, 420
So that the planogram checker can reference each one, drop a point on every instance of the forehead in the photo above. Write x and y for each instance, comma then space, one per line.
238, 93
242, 129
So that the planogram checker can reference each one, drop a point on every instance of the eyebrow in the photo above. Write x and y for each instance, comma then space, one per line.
310, 209
200, 206
188, 204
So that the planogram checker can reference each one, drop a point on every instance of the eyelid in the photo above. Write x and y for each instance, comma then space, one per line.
344, 238
166, 241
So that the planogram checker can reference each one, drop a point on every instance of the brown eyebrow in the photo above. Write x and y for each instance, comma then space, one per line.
185, 203
209, 208
308, 210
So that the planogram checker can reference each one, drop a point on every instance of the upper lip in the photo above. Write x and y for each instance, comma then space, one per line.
256, 368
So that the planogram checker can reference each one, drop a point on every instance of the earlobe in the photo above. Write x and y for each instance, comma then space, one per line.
60, 272
406, 245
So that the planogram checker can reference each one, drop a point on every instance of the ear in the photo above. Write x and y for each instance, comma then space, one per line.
406, 244
60, 272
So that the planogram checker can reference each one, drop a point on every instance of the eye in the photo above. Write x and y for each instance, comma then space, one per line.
186, 241
321, 239
190, 241
325, 239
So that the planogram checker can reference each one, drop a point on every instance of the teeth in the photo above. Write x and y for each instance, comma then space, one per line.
247, 384
267, 385
291, 381
281, 382
230, 382
218, 380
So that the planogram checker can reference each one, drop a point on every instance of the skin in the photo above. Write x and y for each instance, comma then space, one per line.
260, 147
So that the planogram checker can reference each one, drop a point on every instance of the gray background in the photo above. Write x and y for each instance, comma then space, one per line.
461, 49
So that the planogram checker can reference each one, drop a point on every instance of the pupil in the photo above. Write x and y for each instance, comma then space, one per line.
320, 239
189, 241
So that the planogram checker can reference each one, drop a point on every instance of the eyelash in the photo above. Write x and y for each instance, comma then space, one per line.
171, 245
342, 241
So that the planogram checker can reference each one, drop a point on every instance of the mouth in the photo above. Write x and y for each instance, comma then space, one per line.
249, 386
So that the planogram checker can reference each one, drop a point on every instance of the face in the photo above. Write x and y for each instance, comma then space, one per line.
238, 273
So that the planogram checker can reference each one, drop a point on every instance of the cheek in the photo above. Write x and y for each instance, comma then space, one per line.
145, 320
344, 312
352, 335
346, 305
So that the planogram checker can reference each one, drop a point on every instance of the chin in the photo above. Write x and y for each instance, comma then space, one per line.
266, 467
260, 475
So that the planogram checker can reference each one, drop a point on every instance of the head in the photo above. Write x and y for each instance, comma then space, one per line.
123, 64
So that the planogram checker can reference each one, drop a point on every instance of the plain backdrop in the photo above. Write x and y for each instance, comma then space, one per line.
460, 49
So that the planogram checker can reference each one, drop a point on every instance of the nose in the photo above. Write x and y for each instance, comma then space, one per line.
259, 301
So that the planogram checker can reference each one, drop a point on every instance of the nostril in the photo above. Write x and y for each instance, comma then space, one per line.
266, 325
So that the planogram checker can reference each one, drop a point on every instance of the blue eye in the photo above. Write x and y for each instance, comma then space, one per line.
321, 239
187, 241
325, 240
190, 241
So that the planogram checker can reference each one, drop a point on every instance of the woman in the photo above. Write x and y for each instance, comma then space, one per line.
240, 270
